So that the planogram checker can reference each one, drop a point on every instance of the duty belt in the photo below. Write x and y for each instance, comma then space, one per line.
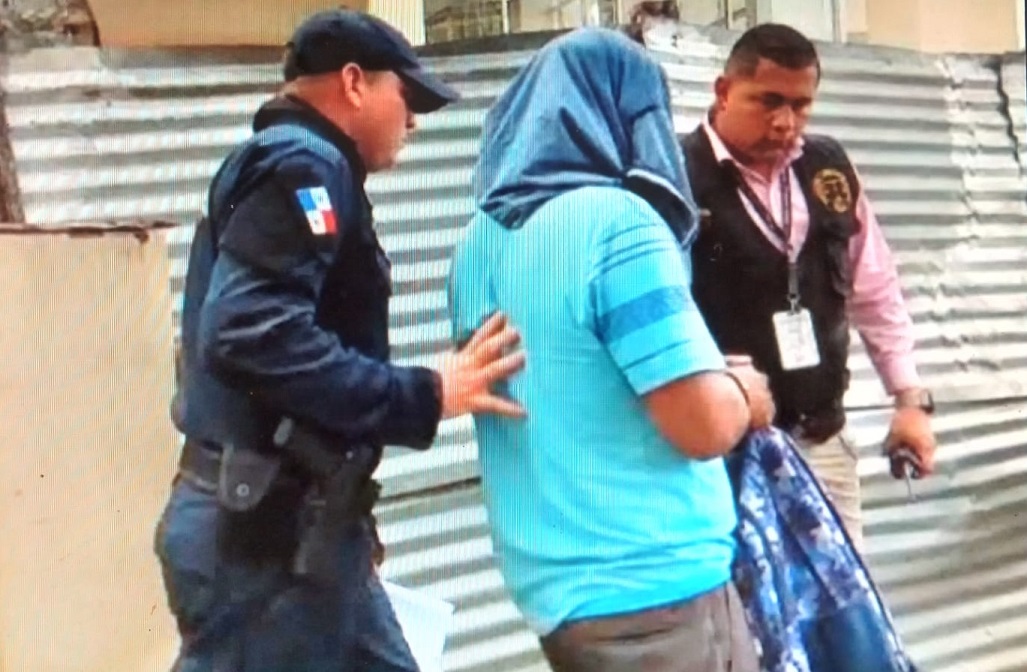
323, 513
201, 467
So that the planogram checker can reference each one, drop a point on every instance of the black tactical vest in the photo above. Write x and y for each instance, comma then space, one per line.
740, 279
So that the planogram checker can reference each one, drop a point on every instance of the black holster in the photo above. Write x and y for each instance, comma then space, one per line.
338, 509
260, 501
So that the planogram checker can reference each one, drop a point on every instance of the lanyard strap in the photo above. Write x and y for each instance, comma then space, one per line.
782, 231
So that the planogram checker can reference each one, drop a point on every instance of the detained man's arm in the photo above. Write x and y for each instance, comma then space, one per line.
703, 415
645, 315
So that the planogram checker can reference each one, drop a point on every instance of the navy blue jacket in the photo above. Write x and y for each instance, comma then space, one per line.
286, 297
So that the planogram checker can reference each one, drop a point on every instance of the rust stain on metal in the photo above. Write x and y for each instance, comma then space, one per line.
10, 197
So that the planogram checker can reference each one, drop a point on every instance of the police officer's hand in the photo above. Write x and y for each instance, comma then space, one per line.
757, 390
911, 429
469, 373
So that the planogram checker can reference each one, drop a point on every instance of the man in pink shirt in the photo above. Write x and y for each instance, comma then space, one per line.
790, 251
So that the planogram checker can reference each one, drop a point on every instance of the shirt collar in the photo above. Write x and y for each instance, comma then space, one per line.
721, 153
290, 109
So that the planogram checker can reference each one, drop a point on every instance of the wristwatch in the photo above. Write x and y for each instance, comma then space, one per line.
924, 401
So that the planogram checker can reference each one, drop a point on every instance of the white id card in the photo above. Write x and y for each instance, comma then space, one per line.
796, 341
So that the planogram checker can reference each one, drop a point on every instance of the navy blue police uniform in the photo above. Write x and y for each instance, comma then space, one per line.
286, 397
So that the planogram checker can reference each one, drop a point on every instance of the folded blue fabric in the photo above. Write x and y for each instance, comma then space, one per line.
809, 597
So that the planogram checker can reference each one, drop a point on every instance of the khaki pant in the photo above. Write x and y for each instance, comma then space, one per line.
835, 463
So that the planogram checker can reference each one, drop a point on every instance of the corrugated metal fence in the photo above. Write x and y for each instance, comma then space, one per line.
940, 142
1014, 95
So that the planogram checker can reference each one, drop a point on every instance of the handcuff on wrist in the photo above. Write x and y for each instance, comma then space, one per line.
742, 386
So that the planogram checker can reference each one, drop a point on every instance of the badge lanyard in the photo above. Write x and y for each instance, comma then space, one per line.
793, 329
782, 231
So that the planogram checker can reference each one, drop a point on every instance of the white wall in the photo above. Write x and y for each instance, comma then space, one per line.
699, 12
814, 18
1020, 20
406, 15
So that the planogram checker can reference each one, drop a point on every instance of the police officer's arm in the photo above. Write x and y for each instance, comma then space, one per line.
877, 306
880, 315
258, 329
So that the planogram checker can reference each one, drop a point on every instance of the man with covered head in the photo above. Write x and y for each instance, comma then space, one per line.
610, 509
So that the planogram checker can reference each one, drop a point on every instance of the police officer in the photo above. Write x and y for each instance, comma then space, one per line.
286, 395
788, 250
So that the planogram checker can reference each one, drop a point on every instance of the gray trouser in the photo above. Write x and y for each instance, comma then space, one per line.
705, 634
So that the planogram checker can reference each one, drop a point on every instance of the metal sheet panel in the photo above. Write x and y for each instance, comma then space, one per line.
1014, 91
97, 137
952, 564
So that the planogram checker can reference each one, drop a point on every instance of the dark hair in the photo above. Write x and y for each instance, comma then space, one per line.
775, 42
647, 10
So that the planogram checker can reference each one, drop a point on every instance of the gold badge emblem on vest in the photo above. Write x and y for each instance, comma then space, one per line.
832, 188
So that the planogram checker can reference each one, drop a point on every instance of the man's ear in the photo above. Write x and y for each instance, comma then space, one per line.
720, 89
353, 82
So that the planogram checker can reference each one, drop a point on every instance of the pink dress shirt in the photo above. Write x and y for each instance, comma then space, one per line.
876, 308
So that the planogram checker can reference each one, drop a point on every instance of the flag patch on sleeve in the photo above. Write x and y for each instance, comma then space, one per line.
318, 209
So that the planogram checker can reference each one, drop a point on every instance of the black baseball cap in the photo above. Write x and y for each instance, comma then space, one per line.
327, 41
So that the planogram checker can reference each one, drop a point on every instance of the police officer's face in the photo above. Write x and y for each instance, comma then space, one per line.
383, 120
761, 116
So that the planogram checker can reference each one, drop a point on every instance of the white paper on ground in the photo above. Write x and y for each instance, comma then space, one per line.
425, 622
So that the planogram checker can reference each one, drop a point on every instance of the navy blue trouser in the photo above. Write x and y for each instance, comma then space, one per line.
240, 614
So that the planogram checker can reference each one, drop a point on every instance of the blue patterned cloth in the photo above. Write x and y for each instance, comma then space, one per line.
808, 595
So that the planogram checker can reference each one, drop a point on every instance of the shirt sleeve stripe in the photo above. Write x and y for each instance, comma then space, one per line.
653, 355
630, 254
609, 240
640, 312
